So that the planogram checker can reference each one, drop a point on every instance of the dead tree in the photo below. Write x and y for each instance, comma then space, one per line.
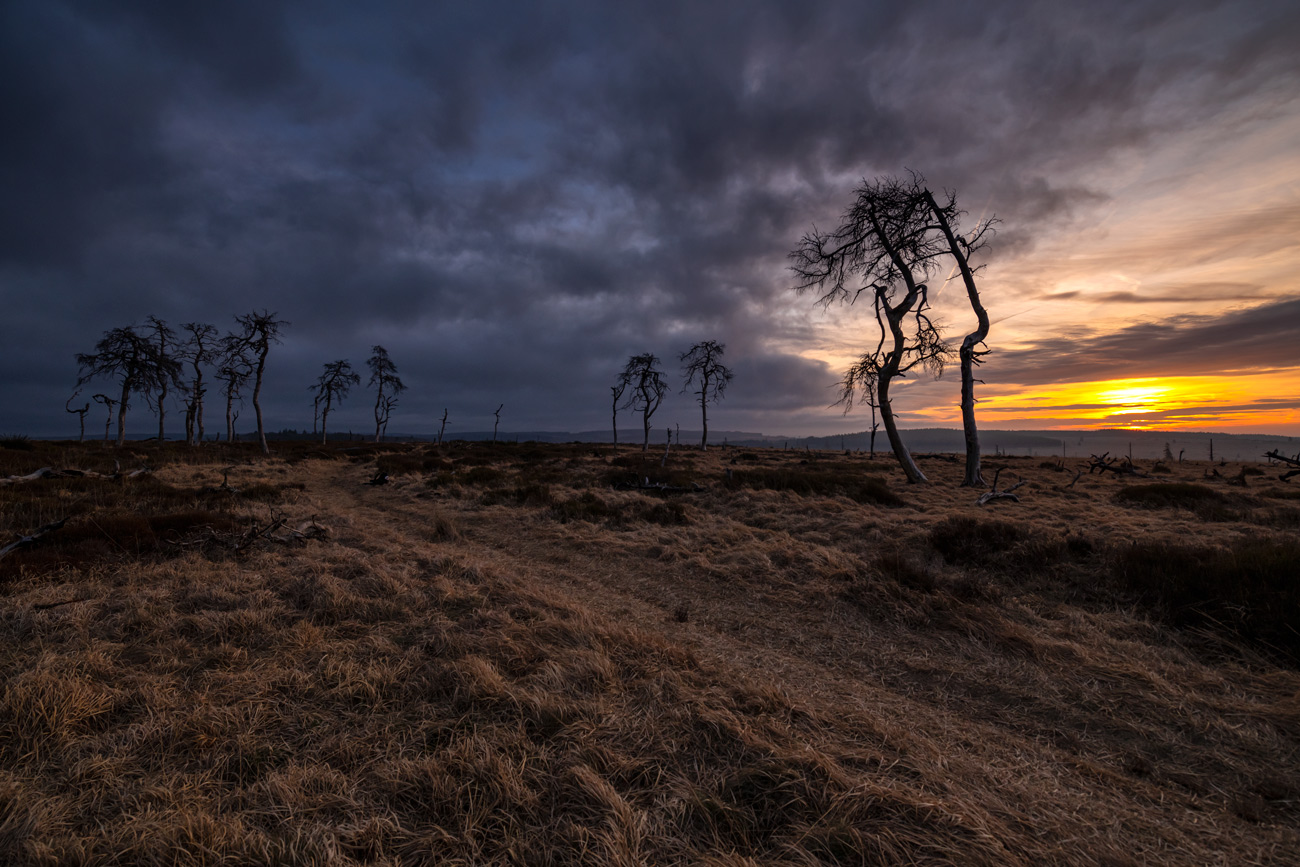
497, 422
444, 425
80, 413
646, 389
961, 248
132, 360
260, 331
333, 385
164, 340
886, 240
234, 367
199, 351
108, 403
617, 391
383, 376
702, 361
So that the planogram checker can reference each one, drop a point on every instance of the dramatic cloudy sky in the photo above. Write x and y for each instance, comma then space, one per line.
514, 197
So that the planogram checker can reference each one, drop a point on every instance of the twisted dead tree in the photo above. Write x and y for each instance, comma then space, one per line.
333, 385
887, 243
199, 350
133, 360
108, 403
164, 341
260, 331
647, 387
383, 376
703, 362
961, 247
80, 413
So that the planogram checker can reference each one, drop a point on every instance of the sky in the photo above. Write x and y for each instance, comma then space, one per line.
512, 198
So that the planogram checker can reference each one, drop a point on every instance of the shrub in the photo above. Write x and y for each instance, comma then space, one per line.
974, 542
1159, 495
523, 495
807, 481
1249, 588
965, 541
587, 507
16, 443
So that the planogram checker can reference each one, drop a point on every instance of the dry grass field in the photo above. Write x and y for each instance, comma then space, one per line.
508, 655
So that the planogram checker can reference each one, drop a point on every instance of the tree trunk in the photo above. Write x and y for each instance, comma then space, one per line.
257, 404
645, 445
379, 422
974, 478
162, 413
121, 412
324, 421
704, 418
910, 469
230, 422
967, 353
198, 411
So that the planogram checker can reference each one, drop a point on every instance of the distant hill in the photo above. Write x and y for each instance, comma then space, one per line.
1068, 443
1148, 445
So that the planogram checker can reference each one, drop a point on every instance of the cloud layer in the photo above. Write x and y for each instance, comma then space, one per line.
514, 197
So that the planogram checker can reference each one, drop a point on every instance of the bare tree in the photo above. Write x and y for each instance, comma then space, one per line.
234, 367
617, 392
134, 361
647, 388
497, 422
334, 384
442, 429
108, 403
260, 331
164, 339
961, 248
80, 413
886, 241
199, 350
702, 361
383, 375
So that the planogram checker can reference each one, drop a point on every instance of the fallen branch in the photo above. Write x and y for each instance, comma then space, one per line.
52, 473
1078, 475
23, 541
995, 494
255, 532
1278, 456
1121, 467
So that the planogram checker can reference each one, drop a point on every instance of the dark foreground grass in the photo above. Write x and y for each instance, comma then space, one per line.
1251, 589
811, 481
523, 666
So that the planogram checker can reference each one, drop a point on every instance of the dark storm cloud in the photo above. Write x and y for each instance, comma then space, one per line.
1188, 293
1264, 337
514, 197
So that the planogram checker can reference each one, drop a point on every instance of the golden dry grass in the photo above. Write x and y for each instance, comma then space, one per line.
500, 658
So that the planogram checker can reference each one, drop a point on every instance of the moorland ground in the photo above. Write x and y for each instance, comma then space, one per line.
522, 654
